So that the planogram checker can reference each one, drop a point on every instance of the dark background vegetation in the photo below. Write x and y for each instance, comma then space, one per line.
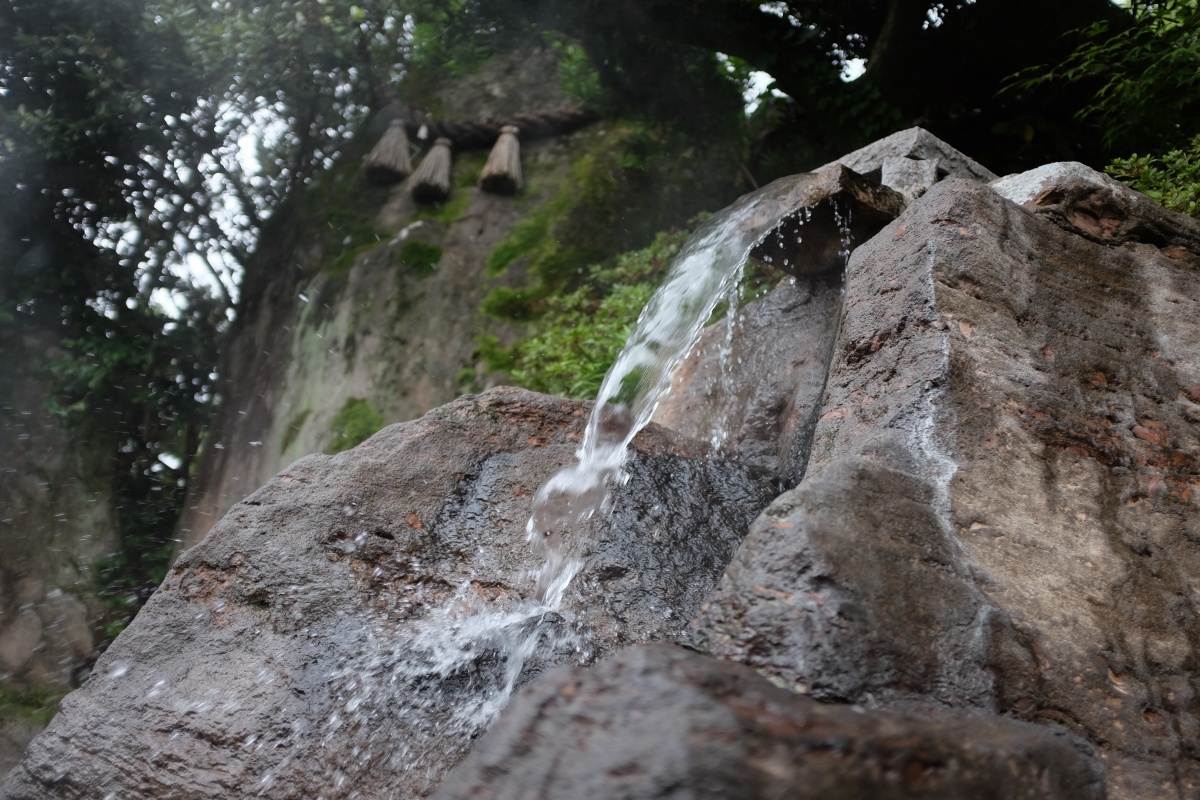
131, 215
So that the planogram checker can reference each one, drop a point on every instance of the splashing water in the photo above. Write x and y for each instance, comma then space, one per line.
706, 272
412, 701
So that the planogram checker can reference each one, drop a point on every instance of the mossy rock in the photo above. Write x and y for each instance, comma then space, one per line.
627, 182
420, 258
38, 704
355, 422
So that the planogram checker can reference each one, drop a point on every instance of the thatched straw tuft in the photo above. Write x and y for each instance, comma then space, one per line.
390, 160
502, 172
431, 182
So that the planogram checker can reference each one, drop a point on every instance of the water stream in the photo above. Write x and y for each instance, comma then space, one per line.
706, 273
443, 682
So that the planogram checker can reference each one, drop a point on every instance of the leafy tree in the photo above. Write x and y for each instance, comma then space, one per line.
132, 211
1173, 179
939, 64
1147, 73
1148, 96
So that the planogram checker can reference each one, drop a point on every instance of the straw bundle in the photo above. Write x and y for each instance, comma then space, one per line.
431, 182
502, 172
390, 160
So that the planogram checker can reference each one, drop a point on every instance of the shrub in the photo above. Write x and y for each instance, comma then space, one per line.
1173, 179
578, 335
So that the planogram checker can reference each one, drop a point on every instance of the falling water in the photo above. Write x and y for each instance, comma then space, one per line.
706, 273
442, 682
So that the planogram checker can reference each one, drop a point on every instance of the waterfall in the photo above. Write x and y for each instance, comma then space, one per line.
489, 650
706, 273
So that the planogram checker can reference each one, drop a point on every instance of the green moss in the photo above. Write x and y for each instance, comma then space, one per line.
420, 257
355, 422
463, 176
514, 304
527, 237
575, 227
339, 266
293, 429
340, 208
450, 211
37, 703
467, 166
574, 341
625, 184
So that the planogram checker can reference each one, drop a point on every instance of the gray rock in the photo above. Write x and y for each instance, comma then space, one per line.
831, 211
346, 630
911, 177
752, 387
756, 388
657, 721
1003, 496
914, 144
1081, 200
849, 589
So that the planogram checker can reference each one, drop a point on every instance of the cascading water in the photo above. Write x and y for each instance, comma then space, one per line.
480, 652
705, 274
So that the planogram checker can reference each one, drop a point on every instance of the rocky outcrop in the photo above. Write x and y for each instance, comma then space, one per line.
751, 385
1001, 502
658, 721
983, 585
347, 629
755, 386
911, 161
361, 295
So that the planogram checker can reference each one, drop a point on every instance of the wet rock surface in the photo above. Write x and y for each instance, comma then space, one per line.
756, 387
658, 721
986, 585
346, 629
1002, 503
835, 210
752, 384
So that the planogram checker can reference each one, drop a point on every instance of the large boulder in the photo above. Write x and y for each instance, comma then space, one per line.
1002, 502
658, 721
752, 385
347, 629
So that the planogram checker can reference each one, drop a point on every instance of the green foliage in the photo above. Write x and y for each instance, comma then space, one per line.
122, 175
1173, 179
420, 257
528, 237
578, 77
1147, 75
36, 703
450, 211
355, 422
579, 334
145, 382
628, 183
450, 38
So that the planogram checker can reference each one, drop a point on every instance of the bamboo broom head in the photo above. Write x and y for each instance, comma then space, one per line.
390, 161
502, 172
431, 182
